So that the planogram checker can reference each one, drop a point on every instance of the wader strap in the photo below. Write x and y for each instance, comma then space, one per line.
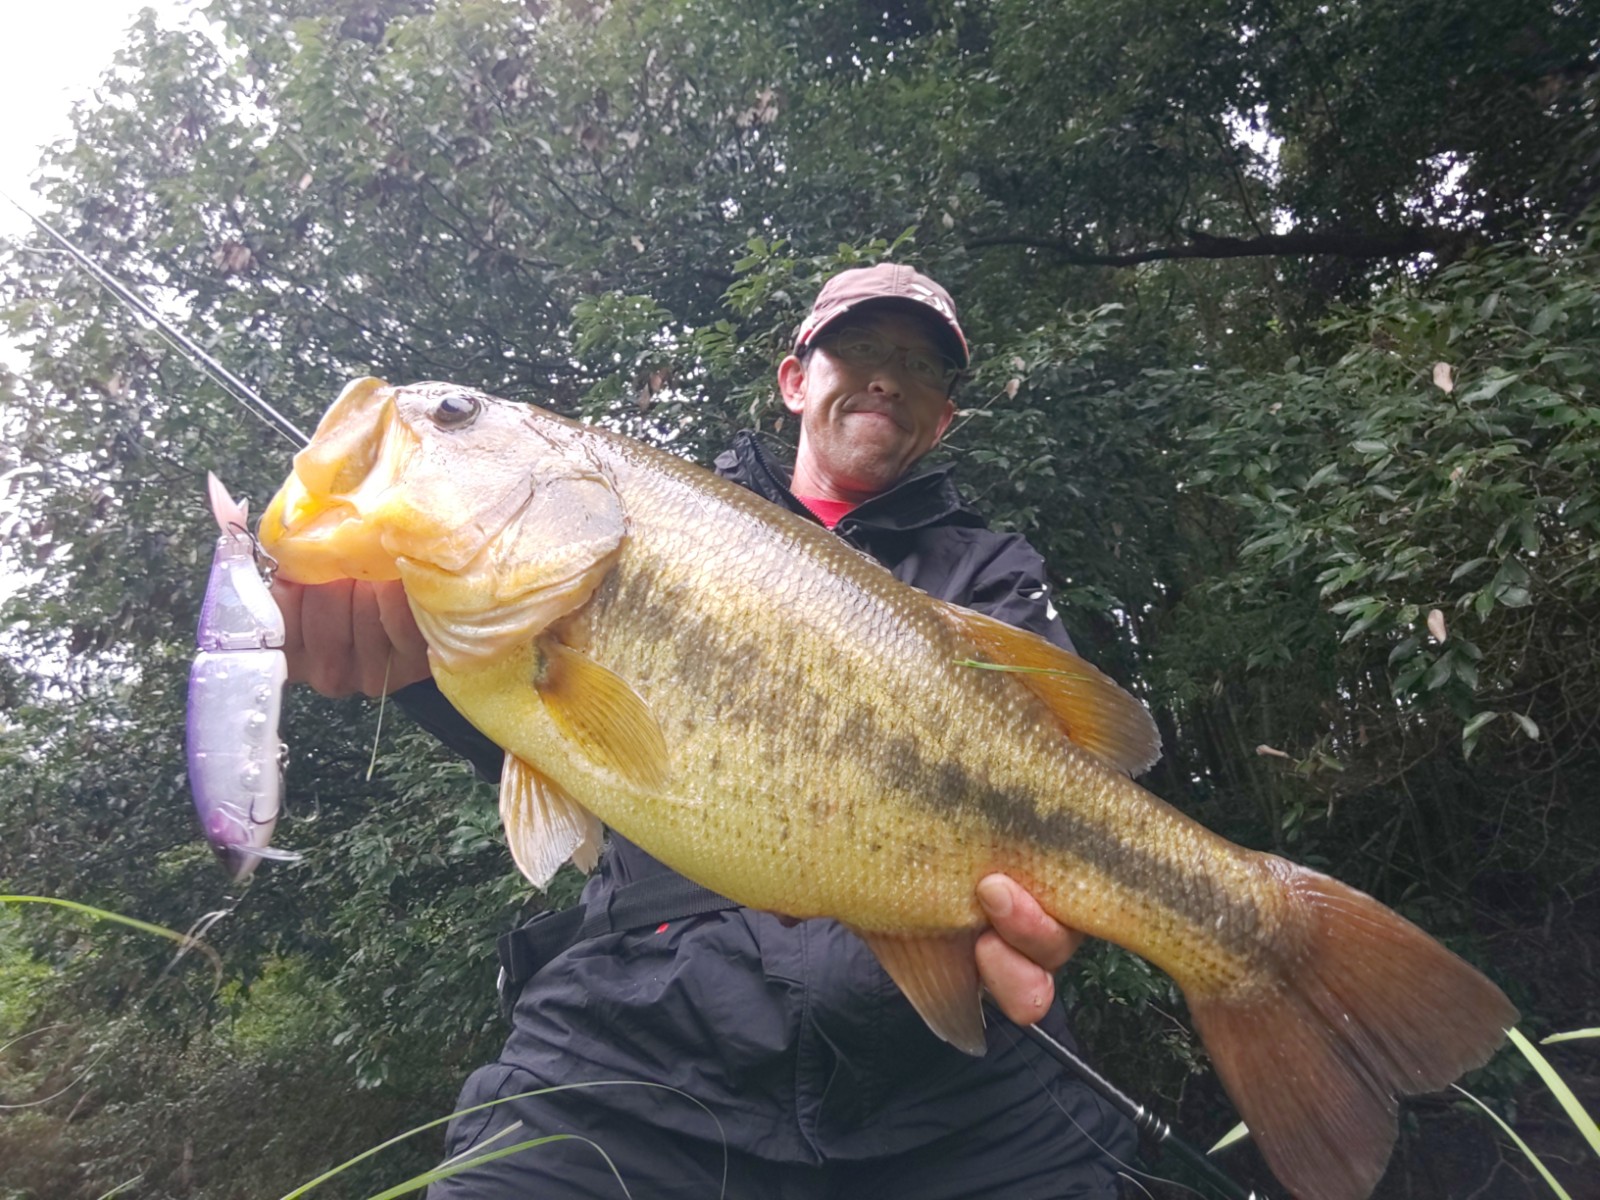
526, 950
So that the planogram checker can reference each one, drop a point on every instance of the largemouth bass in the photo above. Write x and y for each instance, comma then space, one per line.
774, 715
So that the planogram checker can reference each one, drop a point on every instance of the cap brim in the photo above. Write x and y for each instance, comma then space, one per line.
952, 343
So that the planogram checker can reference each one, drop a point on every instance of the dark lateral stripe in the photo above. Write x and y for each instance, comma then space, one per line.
950, 790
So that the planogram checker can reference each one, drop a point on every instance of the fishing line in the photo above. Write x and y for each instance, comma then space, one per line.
1129, 1172
226, 379
383, 698
1143, 1118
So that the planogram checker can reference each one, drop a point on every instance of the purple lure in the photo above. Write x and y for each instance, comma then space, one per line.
235, 689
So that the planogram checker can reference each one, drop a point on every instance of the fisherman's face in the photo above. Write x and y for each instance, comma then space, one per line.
863, 426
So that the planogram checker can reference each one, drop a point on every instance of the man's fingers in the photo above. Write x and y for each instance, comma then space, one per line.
1017, 918
1021, 987
1016, 958
410, 648
308, 635
349, 636
328, 637
287, 596
373, 655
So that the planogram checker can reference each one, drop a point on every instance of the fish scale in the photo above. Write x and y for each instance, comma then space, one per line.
772, 714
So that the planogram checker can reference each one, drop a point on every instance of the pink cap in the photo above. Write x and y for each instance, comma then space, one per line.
887, 281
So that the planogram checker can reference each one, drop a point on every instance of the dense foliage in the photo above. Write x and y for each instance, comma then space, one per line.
1287, 319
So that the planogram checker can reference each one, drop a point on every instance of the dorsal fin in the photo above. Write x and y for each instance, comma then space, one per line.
1094, 712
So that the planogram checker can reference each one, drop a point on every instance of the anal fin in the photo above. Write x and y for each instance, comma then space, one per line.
939, 975
545, 826
602, 715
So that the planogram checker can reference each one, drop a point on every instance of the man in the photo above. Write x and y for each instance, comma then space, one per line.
816, 1077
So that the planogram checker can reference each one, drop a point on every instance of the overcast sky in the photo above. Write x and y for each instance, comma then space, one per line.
51, 53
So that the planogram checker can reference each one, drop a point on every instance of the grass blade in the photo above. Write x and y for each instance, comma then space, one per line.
122, 1187
1559, 1089
400, 1137
1525, 1148
1237, 1134
1571, 1035
183, 939
417, 1182
452, 1168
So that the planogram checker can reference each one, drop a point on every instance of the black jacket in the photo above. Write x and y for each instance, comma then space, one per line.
792, 1034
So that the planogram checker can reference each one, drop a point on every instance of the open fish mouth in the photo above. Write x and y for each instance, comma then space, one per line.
319, 525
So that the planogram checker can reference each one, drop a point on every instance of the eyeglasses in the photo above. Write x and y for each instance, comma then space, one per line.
864, 348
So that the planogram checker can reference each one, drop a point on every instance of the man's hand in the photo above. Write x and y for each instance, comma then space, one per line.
1017, 958
343, 637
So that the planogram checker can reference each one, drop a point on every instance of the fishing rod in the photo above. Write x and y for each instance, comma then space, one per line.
226, 379
1143, 1118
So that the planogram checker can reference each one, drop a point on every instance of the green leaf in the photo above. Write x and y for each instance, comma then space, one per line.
1439, 674
1510, 585
1489, 388
1364, 623
1404, 649
1322, 475
1411, 673
1544, 318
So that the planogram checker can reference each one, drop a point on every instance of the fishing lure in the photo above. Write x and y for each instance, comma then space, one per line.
235, 694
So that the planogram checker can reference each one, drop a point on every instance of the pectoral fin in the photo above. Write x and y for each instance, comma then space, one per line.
601, 714
544, 826
939, 975
1094, 712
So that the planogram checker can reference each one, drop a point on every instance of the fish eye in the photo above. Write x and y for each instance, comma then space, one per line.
455, 410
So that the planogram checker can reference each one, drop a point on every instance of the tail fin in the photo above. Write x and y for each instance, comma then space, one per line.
232, 515
1369, 1007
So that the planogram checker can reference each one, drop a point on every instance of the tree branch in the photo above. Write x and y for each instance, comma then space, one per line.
1402, 243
